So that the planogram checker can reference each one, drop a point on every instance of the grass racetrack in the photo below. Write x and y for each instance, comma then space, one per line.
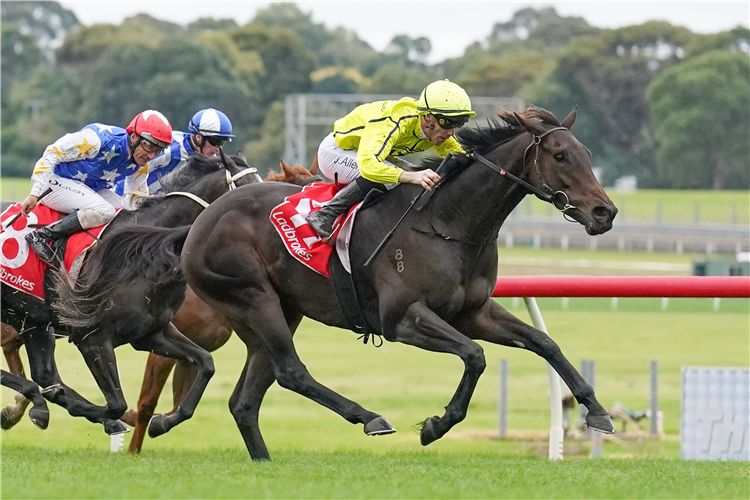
316, 454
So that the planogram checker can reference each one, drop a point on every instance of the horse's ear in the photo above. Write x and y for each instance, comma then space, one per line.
242, 157
570, 119
314, 167
226, 160
288, 171
530, 126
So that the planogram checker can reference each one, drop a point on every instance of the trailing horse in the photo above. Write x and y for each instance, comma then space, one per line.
431, 288
139, 314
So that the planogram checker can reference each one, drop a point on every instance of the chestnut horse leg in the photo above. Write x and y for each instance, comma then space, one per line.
201, 324
157, 373
11, 343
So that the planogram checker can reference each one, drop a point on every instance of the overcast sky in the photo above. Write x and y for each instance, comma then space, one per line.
450, 26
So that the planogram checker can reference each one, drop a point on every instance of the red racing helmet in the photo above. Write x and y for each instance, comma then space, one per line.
152, 126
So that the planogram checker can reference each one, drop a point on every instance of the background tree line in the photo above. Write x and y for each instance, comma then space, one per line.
656, 101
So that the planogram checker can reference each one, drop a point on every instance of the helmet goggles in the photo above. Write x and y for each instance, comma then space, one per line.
216, 141
151, 145
451, 122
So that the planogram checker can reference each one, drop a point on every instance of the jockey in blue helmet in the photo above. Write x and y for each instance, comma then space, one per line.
210, 127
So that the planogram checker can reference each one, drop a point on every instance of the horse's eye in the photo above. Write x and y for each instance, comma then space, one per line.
560, 157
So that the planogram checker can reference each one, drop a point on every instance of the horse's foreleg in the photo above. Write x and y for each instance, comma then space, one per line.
100, 358
12, 343
39, 414
184, 376
494, 324
40, 347
157, 372
169, 342
421, 327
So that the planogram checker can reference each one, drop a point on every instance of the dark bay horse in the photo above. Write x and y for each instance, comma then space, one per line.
430, 288
137, 314
200, 323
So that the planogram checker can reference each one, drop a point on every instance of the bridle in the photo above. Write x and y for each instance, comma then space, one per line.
558, 199
231, 179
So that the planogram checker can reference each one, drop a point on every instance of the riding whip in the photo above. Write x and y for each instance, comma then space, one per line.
6, 225
414, 202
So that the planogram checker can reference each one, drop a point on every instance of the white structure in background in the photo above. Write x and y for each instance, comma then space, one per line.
626, 184
309, 118
715, 413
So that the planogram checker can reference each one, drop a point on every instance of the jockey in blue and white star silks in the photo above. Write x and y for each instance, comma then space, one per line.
81, 167
207, 131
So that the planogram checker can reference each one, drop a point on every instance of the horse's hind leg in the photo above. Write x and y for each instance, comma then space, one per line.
257, 376
260, 312
156, 375
494, 324
39, 413
170, 342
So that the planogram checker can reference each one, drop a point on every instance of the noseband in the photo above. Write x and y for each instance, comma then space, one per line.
558, 199
239, 175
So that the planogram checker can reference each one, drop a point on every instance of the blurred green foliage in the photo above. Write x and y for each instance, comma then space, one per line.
655, 100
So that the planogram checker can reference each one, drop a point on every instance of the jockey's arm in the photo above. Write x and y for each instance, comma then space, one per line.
80, 145
70, 147
374, 147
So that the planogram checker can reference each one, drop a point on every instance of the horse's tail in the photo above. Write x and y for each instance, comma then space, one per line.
127, 255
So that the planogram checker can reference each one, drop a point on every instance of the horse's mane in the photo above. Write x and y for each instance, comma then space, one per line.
181, 178
499, 130
197, 167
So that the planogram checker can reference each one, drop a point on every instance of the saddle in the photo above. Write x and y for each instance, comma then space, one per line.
20, 267
304, 244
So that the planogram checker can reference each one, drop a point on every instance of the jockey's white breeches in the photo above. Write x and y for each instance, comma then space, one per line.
95, 208
333, 161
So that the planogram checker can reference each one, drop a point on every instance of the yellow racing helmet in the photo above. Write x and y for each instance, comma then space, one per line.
444, 98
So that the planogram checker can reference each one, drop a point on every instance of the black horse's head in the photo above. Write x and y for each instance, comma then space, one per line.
559, 165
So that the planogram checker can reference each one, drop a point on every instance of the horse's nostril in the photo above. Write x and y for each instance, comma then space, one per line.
602, 213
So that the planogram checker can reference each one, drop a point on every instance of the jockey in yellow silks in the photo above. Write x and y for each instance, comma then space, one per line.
361, 141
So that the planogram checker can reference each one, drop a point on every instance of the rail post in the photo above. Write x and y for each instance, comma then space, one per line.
556, 432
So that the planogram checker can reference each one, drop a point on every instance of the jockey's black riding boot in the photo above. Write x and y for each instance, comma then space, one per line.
42, 241
322, 220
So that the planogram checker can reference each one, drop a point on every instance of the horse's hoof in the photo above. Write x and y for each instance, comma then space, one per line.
429, 431
6, 419
600, 423
40, 417
378, 427
157, 425
113, 427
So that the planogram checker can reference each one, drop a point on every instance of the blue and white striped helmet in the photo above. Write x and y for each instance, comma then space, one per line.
210, 122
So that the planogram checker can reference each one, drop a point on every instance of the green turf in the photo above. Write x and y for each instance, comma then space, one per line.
14, 189
318, 454
352, 474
